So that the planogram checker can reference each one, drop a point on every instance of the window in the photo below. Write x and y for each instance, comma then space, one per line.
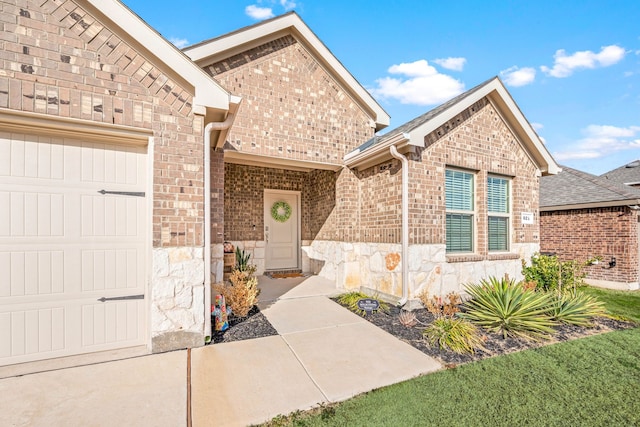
498, 209
460, 209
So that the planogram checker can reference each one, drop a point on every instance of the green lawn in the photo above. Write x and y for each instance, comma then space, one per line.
624, 304
592, 381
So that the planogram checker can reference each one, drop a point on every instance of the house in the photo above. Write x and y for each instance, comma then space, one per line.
126, 164
583, 216
103, 235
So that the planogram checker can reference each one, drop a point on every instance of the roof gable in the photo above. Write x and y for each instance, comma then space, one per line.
574, 189
414, 131
213, 50
209, 95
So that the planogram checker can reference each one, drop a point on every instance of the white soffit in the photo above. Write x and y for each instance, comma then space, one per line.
227, 45
207, 91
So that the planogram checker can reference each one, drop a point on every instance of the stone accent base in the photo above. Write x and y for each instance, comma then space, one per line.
177, 298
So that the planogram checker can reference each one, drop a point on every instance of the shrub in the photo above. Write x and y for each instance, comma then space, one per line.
502, 306
576, 308
550, 274
455, 334
241, 294
350, 300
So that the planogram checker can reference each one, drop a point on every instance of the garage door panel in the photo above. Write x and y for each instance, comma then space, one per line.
65, 247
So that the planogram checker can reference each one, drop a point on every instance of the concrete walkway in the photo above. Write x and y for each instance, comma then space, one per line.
323, 353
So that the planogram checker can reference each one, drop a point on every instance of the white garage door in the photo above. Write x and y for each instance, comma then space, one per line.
72, 247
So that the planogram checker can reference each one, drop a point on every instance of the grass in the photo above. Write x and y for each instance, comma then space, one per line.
619, 304
592, 381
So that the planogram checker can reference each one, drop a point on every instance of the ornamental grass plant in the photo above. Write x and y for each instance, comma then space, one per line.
455, 334
576, 308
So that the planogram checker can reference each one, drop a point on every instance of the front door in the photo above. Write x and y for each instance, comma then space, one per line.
281, 229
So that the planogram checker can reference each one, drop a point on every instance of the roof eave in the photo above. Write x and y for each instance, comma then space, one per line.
289, 23
208, 93
592, 205
378, 153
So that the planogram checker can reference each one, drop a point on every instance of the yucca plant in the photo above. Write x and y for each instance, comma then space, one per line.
576, 308
502, 306
350, 300
455, 334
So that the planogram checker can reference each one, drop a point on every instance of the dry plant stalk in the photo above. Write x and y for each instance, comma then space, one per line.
241, 295
441, 307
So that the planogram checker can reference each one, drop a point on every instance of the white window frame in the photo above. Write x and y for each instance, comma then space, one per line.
507, 215
472, 213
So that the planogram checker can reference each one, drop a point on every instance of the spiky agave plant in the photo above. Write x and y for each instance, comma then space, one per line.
576, 308
502, 306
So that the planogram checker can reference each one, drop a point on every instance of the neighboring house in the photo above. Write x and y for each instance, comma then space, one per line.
583, 216
125, 166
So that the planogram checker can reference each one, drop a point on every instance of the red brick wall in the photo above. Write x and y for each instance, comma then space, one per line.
59, 60
585, 233
291, 108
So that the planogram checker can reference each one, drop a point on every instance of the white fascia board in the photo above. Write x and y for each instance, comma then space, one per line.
550, 166
532, 140
290, 22
208, 92
358, 159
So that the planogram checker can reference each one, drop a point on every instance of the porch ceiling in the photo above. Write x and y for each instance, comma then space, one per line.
240, 158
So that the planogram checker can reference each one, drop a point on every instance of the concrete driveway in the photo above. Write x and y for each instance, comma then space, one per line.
323, 353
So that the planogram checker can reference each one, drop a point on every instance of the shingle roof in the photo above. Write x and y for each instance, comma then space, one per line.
629, 173
573, 187
420, 120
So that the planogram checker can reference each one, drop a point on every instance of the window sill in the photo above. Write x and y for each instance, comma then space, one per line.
501, 256
452, 258
464, 258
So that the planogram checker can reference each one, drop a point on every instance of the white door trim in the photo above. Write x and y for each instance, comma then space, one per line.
298, 249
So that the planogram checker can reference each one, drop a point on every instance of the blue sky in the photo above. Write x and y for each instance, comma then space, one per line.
573, 67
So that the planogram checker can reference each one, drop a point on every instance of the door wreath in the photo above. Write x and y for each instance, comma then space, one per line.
281, 211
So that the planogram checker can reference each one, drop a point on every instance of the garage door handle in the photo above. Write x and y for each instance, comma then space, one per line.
123, 193
103, 299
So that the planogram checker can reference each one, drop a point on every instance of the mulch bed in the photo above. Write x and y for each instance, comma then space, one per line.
256, 325
495, 344
253, 325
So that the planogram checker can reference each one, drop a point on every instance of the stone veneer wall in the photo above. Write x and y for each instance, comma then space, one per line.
61, 60
581, 234
377, 267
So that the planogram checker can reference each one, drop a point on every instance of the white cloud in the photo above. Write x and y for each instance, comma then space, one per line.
257, 12
564, 65
454, 64
424, 85
288, 4
537, 126
516, 76
179, 43
602, 140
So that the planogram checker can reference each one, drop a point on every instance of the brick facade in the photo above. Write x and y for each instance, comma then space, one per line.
59, 60
292, 107
606, 232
